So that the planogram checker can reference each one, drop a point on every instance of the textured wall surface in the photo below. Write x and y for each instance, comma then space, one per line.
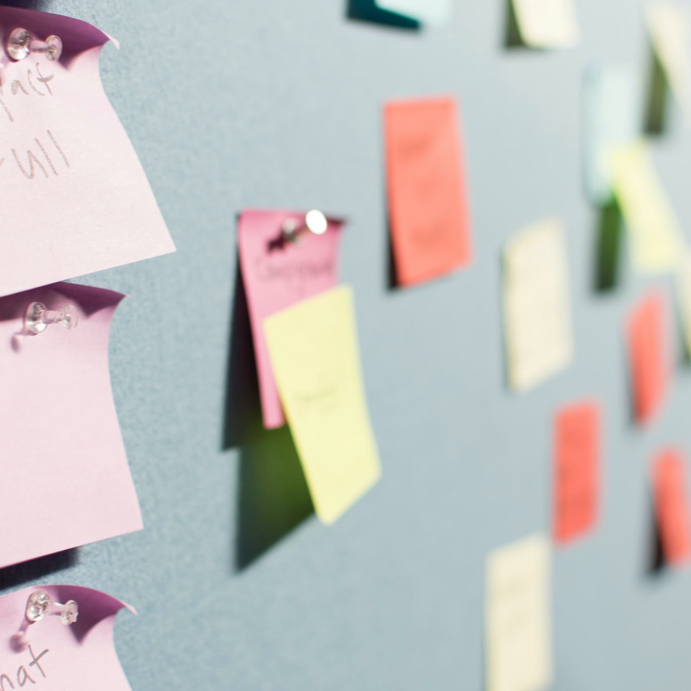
270, 103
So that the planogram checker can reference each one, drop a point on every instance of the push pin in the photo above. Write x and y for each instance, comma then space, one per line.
38, 606
20, 45
314, 221
38, 317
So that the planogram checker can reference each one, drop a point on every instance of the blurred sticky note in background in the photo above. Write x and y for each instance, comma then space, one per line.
75, 197
428, 202
316, 362
650, 357
671, 506
537, 309
546, 23
657, 242
65, 477
277, 274
684, 301
432, 12
518, 637
577, 470
610, 119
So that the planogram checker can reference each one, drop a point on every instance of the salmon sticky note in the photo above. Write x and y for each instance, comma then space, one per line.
671, 506
276, 275
65, 477
577, 470
428, 204
75, 197
650, 357
656, 239
518, 638
432, 12
315, 357
79, 657
547, 23
537, 310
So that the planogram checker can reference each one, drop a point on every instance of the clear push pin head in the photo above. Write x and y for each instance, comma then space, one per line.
314, 221
38, 317
38, 606
20, 45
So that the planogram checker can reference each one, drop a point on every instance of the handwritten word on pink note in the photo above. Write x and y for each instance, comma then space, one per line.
65, 477
79, 657
671, 506
278, 274
428, 201
577, 470
649, 354
75, 197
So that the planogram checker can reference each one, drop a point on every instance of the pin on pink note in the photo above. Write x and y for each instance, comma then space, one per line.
282, 265
75, 198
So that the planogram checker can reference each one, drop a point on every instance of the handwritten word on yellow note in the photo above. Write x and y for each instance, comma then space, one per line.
315, 358
537, 311
518, 635
656, 239
547, 23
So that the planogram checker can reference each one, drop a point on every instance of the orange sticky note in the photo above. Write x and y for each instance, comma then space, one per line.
671, 507
649, 354
428, 205
577, 470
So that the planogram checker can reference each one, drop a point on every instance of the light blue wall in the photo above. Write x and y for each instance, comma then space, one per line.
276, 103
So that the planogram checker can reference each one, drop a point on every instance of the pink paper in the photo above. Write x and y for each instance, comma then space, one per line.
75, 198
65, 477
277, 275
80, 657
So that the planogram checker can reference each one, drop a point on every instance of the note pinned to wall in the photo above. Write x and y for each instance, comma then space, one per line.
650, 357
657, 242
278, 273
671, 507
75, 197
61, 451
315, 358
546, 23
432, 12
518, 637
79, 657
576, 470
537, 309
427, 196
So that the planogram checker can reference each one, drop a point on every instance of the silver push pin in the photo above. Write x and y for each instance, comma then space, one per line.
20, 45
38, 317
38, 606
314, 221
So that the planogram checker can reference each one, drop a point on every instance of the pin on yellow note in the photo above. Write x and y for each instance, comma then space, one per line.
315, 359
537, 310
657, 242
518, 637
547, 23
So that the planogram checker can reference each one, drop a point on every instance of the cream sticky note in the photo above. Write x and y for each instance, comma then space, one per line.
518, 638
657, 242
684, 299
433, 12
547, 23
537, 309
315, 358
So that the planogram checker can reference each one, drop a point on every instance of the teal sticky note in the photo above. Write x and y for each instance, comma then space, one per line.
432, 12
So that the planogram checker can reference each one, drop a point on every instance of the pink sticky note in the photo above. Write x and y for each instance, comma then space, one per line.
277, 275
65, 477
79, 657
75, 198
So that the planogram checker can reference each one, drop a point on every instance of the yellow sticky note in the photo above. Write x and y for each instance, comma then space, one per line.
684, 299
537, 310
547, 23
316, 362
518, 635
657, 242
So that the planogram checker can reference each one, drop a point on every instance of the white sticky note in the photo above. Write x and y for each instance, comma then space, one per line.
518, 635
433, 12
537, 310
547, 23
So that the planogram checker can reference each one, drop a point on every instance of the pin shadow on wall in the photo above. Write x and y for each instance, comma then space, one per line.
367, 11
273, 497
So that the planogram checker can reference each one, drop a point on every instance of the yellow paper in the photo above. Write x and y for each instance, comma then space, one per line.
684, 299
547, 23
518, 636
668, 24
656, 240
315, 359
537, 310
